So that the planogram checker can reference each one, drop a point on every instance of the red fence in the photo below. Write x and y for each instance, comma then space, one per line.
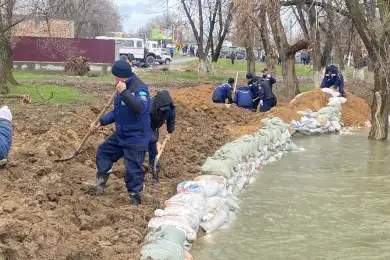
42, 49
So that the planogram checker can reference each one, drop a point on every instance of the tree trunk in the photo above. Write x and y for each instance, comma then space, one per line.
201, 68
358, 61
339, 58
290, 80
380, 107
250, 60
271, 62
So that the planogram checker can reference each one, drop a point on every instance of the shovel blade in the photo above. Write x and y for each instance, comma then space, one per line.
68, 157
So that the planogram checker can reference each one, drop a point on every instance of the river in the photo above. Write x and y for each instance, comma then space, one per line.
331, 201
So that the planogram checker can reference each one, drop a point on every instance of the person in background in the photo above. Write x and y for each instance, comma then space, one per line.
268, 78
6, 130
333, 77
304, 56
266, 96
243, 97
130, 140
162, 110
125, 58
171, 51
224, 92
253, 84
232, 57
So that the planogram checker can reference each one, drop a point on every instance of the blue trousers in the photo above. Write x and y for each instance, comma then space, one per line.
268, 104
110, 152
152, 150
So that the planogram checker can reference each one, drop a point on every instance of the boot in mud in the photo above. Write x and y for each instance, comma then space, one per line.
99, 186
135, 199
154, 178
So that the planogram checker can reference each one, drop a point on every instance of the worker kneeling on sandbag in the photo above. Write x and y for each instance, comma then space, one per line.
131, 115
267, 97
223, 92
333, 77
253, 83
5, 132
161, 110
243, 97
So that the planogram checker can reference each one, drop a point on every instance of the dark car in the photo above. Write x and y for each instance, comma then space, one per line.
240, 55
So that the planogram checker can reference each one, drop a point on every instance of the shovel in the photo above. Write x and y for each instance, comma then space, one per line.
159, 155
77, 151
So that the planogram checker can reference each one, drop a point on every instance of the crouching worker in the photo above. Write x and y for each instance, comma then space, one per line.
161, 110
5, 132
333, 77
131, 138
267, 97
244, 98
223, 92
253, 83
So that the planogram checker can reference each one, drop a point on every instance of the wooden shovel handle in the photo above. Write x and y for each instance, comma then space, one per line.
235, 83
159, 153
96, 121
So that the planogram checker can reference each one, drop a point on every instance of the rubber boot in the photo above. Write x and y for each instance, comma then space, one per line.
135, 199
99, 186
154, 178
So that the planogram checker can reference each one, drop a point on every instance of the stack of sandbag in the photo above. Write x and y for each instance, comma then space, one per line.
326, 120
208, 201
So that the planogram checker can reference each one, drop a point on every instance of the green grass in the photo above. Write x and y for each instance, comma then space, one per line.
23, 75
305, 89
61, 95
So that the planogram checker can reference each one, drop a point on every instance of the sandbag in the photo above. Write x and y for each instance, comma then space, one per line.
220, 166
209, 187
336, 125
162, 250
220, 218
326, 111
331, 92
213, 205
196, 202
180, 222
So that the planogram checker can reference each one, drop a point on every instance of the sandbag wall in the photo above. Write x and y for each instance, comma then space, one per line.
207, 201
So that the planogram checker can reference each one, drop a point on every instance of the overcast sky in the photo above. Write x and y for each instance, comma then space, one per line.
136, 13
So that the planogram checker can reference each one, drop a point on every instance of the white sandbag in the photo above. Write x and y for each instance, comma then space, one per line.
180, 222
326, 125
331, 129
209, 187
331, 92
232, 203
304, 132
192, 201
316, 131
335, 102
239, 185
343, 100
313, 115
220, 218
326, 111
336, 125
313, 124
213, 205
277, 121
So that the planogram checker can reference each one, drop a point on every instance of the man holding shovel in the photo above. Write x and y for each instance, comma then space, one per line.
132, 135
161, 110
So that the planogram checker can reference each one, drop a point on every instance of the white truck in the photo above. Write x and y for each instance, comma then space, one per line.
136, 49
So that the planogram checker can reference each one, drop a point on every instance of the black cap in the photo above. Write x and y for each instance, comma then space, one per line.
124, 57
230, 80
265, 70
121, 69
249, 75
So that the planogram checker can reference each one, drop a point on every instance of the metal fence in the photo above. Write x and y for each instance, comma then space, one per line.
45, 49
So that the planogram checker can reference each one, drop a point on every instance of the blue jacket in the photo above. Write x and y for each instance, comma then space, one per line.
223, 92
335, 79
131, 115
270, 80
265, 91
254, 86
162, 110
5, 138
243, 97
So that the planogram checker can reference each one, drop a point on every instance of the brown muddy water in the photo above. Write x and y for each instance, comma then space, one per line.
331, 201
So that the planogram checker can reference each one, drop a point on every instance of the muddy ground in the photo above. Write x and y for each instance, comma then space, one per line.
45, 212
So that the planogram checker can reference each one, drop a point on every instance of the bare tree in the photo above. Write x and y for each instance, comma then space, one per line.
12, 13
286, 51
374, 30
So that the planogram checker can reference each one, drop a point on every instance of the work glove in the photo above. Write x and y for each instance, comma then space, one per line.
5, 114
268, 76
261, 102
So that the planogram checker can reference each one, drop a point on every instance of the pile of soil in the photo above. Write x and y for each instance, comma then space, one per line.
45, 210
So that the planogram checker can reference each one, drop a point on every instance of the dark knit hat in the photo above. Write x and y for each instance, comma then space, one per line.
230, 80
249, 75
265, 70
121, 69
124, 57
